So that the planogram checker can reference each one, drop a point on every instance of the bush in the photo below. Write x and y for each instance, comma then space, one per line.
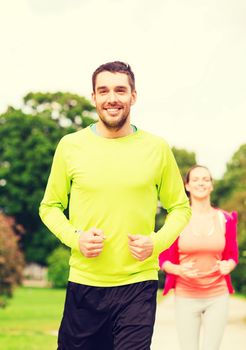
238, 275
161, 279
11, 259
58, 267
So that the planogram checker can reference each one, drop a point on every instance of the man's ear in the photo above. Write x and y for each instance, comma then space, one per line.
93, 99
134, 97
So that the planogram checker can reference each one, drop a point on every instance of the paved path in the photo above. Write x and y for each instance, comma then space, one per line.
165, 337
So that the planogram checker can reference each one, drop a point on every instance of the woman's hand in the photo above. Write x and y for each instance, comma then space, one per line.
187, 270
226, 266
182, 270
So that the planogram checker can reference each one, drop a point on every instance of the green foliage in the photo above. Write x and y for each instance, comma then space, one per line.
161, 279
40, 244
27, 147
230, 194
66, 108
28, 143
11, 260
184, 159
238, 275
234, 179
237, 202
58, 267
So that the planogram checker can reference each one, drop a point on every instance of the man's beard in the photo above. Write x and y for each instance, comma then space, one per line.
115, 125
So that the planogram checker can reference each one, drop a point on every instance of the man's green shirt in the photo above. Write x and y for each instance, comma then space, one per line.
114, 185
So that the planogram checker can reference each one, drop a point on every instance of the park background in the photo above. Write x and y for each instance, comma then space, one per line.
189, 61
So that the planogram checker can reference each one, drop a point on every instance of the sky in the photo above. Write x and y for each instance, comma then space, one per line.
188, 57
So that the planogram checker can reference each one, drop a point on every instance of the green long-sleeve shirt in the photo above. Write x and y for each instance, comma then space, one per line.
114, 185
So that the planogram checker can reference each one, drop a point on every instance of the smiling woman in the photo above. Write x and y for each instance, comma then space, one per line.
198, 266
199, 182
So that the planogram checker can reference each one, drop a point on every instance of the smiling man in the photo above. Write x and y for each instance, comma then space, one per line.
114, 174
113, 97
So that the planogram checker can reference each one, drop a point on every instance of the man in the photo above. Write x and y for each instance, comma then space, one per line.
114, 174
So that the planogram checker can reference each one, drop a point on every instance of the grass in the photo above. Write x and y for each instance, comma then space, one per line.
31, 319
159, 296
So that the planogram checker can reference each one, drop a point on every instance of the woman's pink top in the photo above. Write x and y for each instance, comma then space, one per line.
203, 252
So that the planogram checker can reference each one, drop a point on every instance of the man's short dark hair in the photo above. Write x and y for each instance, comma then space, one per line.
115, 67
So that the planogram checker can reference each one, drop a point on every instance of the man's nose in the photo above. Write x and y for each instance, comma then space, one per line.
112, 97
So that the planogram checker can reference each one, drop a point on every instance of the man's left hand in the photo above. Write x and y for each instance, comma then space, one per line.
141, 247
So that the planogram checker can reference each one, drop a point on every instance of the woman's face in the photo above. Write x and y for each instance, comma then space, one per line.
200, 183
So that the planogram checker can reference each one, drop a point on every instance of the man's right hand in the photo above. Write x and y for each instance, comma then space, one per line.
91, 242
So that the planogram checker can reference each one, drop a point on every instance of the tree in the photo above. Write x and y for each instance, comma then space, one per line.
28, 142
11, 259
237, 202
184, 159
58, 267
26, 148
230, 194
234, 179
65, 108
230, 191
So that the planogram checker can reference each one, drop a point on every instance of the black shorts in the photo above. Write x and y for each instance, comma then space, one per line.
108, 318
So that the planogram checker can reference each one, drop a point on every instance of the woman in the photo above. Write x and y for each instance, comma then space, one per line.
198, 265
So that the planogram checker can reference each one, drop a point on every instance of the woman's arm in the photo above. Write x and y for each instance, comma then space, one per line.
181, 270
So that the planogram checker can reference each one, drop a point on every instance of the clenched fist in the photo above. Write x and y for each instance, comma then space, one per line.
141, 247
91, 242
